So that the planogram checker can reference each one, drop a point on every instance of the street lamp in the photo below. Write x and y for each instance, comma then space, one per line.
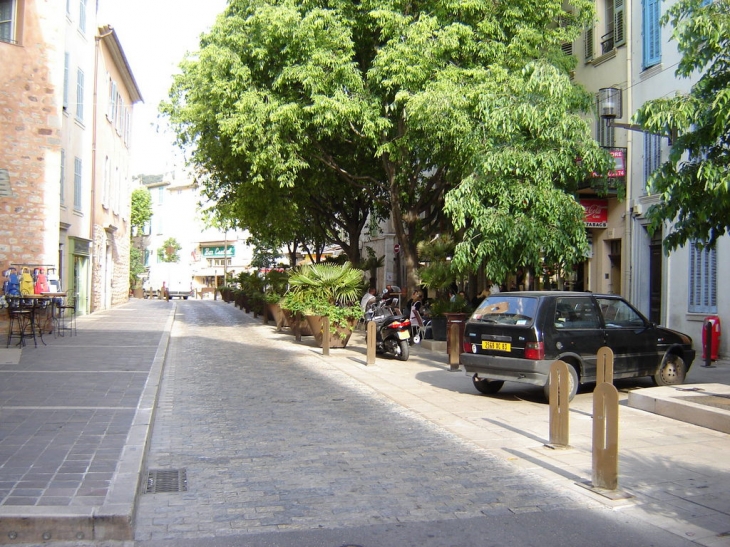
610, 107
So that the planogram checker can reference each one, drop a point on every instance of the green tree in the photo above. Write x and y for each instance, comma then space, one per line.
693, 183
140, 215
392, 101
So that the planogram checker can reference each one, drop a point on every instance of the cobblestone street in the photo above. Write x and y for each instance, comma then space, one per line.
272, 438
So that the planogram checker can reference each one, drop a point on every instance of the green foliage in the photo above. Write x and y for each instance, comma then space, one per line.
169, 252
250, 282
330, 283
439, 273
325, 289
141, 209
276, 281
140, 215
516, 208
319, 112
136, 267
694, 183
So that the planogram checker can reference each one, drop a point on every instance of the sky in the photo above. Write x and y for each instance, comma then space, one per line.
155, 35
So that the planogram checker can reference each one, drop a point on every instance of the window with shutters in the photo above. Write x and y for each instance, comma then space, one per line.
651, 32
63, 175
66, 68
619, 25
702, 280
588, 44
77, 185
614, 26
82, 16
80, 95
652, 156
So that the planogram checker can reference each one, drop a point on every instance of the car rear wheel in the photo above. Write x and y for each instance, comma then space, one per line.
488, 387
572, 384
672, 371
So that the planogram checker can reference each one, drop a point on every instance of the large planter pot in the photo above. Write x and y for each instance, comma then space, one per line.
298, 324
139, 292
338, 339
277, 315
438, 328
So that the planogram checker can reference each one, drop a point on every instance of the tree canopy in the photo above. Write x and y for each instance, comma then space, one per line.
346, 109
693, 183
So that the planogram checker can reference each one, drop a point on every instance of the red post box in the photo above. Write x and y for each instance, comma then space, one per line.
711, 332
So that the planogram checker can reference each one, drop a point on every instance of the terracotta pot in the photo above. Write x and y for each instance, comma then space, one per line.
298, 324
338, 340
277, 315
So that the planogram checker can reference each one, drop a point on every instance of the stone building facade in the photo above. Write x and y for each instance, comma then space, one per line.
58, 68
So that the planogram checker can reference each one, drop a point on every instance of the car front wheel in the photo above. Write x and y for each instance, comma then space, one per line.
488, 387
672, 371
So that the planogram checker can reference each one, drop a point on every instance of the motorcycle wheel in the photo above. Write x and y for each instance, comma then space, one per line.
403, 355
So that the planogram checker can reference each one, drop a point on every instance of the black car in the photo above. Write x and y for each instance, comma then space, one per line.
516, 336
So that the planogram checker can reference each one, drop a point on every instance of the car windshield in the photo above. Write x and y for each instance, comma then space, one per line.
506, 310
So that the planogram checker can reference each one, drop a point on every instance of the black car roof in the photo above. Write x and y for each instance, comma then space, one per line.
537, 294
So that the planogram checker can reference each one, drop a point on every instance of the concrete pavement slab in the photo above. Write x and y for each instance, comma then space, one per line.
75, 415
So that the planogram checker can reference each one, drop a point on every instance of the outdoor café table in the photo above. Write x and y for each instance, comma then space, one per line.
45, 310
56, 301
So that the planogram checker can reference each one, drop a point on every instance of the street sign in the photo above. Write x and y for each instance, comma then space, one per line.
396, 248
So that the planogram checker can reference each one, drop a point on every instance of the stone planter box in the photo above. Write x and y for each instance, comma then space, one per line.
276, 314
338, 340
298, 324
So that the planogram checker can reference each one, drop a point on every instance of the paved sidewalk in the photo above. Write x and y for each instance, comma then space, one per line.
74, 421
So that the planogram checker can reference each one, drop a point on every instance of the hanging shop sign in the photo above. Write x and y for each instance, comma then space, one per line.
595, 212
219, 251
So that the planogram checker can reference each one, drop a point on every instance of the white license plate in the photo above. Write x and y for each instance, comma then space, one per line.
403, 335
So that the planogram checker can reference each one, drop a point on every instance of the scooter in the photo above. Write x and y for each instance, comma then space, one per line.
392, 330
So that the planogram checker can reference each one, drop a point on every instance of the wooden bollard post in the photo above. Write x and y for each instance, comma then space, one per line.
454, 346
326, 335
604, 365
371, 342
265, 320
605, 437
559, 378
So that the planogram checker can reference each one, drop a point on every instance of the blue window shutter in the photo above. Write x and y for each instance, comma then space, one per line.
652, 32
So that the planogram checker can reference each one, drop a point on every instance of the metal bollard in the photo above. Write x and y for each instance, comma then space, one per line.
454, 347
559, 379
605, 437
604, 365
371, 326
326, 335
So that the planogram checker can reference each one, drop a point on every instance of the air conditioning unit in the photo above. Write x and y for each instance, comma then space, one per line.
638, 209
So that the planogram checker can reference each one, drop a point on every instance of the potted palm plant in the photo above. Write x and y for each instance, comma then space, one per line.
327, 290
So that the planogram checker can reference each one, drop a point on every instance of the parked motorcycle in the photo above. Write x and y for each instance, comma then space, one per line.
392, 329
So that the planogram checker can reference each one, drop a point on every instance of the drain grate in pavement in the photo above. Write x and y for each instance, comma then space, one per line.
166, 480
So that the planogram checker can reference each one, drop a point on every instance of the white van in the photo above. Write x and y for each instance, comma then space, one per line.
179, 282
